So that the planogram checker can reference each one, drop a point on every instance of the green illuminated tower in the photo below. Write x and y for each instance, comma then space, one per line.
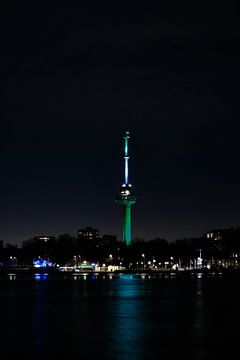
126, 197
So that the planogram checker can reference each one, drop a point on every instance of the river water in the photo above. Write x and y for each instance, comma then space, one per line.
125, 317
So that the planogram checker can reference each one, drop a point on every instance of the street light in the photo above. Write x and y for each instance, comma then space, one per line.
143, 255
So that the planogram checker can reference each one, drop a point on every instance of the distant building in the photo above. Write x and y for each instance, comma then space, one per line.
1, 244
223, 234
44, 243
90, 238
44, 238
226, 240
88, 233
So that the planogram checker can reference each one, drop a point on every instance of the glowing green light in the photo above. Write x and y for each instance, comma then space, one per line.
127, 225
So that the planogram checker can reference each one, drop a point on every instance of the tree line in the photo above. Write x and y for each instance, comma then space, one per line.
65, 248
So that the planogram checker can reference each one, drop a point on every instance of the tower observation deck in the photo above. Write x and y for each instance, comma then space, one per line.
126, 197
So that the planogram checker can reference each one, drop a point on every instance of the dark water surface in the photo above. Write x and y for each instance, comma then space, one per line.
128, 317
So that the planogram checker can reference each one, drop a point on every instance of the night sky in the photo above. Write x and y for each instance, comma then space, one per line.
75, 78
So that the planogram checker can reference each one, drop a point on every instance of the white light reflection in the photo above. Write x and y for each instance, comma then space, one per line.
12, 276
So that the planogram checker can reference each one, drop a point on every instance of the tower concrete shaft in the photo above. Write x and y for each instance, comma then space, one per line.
126, 197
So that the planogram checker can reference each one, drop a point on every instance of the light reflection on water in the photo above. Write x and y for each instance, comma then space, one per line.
40, 277
12, 276
128, 334
127, 316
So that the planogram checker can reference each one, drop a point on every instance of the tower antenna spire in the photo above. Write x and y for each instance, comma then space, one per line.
126, 156
126, 197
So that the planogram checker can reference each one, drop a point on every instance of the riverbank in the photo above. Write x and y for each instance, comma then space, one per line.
57, 272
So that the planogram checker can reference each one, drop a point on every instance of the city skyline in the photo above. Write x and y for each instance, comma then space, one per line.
74, 85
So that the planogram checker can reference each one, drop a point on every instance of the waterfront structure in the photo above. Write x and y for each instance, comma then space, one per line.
126, 197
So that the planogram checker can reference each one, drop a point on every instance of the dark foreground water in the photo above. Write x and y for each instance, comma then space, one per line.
130, 317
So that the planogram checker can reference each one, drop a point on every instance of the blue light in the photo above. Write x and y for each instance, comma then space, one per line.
126, 170
40, 277
42, 263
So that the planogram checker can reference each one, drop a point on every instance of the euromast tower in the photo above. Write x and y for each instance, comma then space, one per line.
126, 197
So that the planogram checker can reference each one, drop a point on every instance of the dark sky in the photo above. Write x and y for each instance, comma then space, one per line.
74, 78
